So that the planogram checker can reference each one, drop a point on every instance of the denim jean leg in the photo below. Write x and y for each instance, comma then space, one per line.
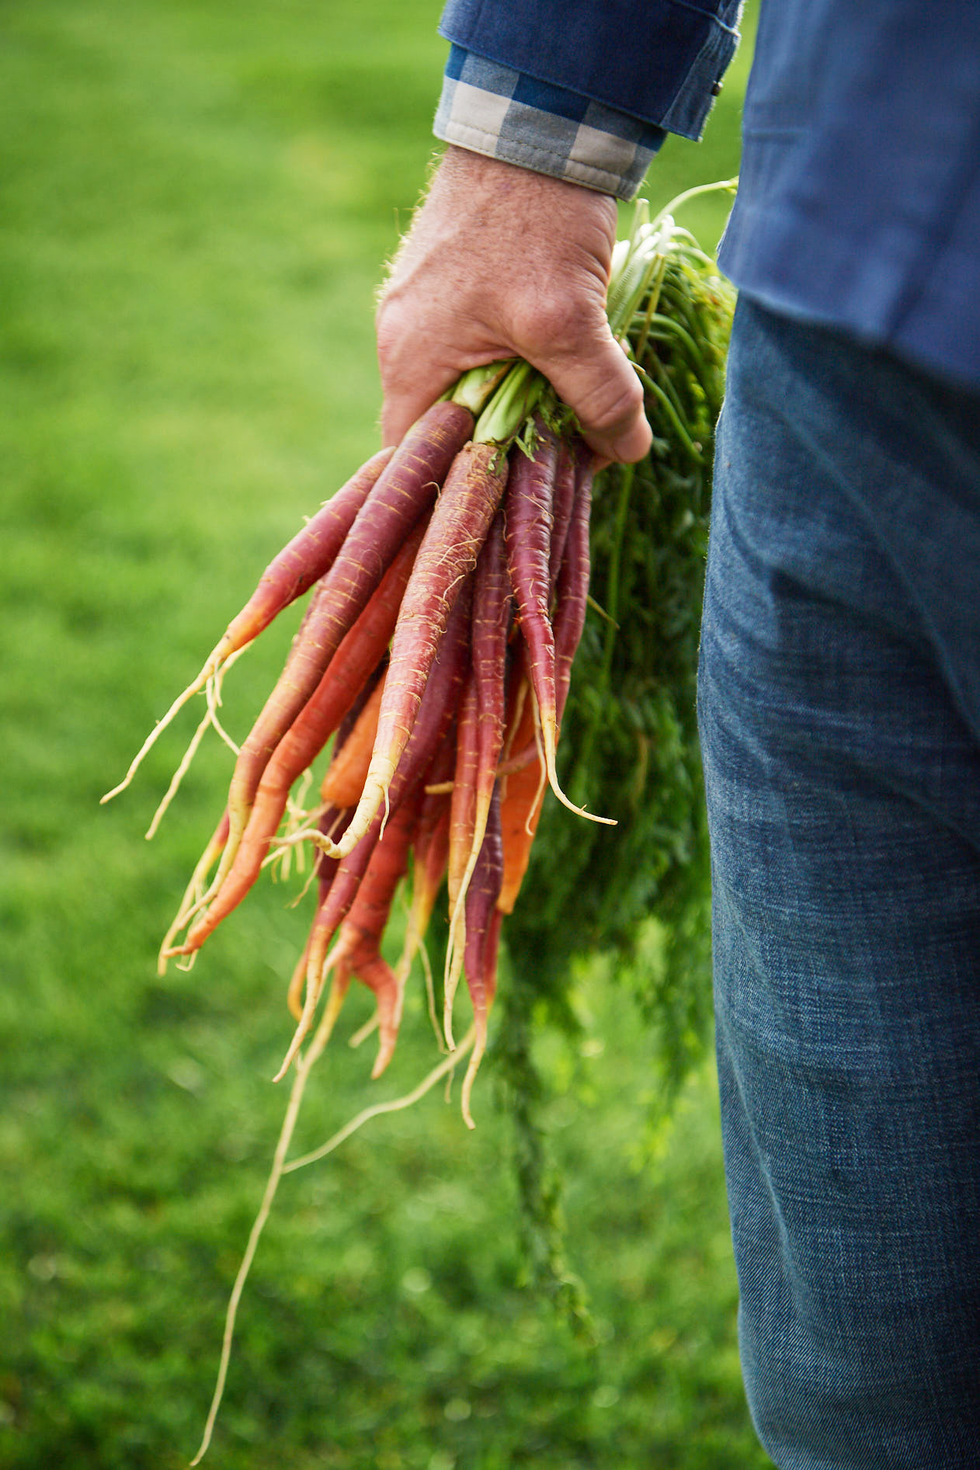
839, 703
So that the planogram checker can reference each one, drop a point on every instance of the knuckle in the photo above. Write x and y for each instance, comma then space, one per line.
553, 323
611, 402
389, 333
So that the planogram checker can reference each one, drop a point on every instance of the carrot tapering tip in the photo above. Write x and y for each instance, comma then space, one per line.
476, 1057
549, 741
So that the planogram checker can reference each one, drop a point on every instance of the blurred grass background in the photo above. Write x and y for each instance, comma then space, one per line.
197, 201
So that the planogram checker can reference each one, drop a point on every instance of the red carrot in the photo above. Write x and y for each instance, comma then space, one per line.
529, 519
402, 495
305, 559
571, 598
430, 852
482, 932
350, 669
359, 937
325, 871
491, 621
462, 814
474, 785
347, 771
524, 791
300, 563
448, 553
529, 515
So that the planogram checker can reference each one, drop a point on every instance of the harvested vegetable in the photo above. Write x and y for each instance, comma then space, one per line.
450, 592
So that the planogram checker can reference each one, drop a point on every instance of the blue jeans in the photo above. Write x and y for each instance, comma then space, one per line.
839, 703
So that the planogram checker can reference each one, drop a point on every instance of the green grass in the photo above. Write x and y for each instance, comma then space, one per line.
197, 201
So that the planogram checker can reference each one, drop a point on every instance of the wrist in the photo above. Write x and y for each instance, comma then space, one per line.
495, 112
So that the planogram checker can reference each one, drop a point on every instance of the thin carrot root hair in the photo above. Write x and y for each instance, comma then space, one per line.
546, 726
476, 1057
280, 1166
210, 667
210, 718
339, 986
281, 860
456, 945
272, 1184
213, 695
363, 1032
294, 993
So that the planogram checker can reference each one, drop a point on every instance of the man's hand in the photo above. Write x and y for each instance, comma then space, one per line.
502, 262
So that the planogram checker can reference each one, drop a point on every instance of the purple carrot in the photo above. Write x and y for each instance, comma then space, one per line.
573, 586
563, 498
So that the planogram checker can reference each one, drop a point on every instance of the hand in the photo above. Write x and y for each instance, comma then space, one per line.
501, 262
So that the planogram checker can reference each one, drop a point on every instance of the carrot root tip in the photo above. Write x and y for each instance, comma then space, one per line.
549, 740
476, 1056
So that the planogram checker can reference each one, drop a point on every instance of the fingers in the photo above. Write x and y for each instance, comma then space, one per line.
595, 378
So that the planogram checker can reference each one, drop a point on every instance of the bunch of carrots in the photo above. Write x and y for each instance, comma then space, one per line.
449, 581
451, 577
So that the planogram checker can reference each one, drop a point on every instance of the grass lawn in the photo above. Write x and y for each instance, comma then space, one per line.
197, 200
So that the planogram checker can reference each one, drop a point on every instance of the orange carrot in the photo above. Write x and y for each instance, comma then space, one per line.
520, 808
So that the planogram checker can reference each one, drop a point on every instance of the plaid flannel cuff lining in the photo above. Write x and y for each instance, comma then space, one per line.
493, 110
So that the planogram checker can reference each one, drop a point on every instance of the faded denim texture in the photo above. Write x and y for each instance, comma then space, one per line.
840, 717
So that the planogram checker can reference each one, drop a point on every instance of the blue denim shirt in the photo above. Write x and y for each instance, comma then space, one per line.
859, 202
657, 61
